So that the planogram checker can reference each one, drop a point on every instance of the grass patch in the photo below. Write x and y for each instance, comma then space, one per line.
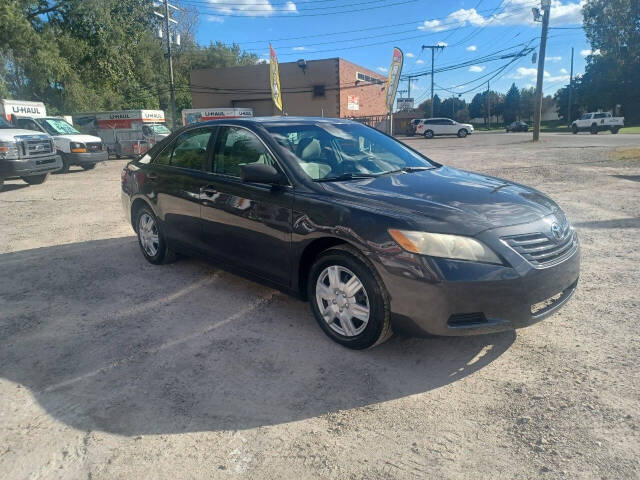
630, 129
626, 153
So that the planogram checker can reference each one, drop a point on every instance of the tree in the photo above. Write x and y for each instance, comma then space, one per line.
450, 106
527, 102
512, 104
478, 106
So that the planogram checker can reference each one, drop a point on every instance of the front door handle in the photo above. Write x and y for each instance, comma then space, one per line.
152, 176
209, 191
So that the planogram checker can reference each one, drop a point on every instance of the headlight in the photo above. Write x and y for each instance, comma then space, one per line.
8, 150
78, 147
445, 246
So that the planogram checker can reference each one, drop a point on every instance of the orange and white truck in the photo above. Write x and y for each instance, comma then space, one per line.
124, 132
195, 115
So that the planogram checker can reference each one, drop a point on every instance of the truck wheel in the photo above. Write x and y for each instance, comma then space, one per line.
1, 184
614, 130
36, 179
574, 129
65, 164
89, 166
594, 129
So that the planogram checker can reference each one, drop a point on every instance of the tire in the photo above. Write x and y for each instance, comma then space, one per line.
574, 129
594, 129
462, 133
36, 179
615, 130
155, 250
371, 296
1, 184
428, 134
65, 164
506, 130
89, 166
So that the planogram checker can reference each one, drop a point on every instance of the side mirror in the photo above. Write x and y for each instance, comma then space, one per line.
259, 173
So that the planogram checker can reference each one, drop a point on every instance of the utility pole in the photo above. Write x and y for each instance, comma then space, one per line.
488, 106
172, 91
537, 113
570, 88
433, 50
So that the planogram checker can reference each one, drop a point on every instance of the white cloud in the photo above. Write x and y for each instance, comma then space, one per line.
524, 72
516, 12
383, 69
214, 18
299, 49
252, 8
409, 55
587, 51
471, 48
419, 62
476, 68
564, 70
553, 59
530, 74
442, 44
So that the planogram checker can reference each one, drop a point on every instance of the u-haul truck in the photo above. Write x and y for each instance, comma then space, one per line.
195, 115
124, 132
73, 147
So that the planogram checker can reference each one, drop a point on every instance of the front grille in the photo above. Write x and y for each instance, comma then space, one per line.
541, 249
94, 147
36, 148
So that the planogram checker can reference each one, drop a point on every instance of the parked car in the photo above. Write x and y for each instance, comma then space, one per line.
431, 127
26, 154
518, 126
596, 122
411, 127
375, 235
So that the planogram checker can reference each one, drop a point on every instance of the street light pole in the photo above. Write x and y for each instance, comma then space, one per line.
537, 113
570, 89
433, 49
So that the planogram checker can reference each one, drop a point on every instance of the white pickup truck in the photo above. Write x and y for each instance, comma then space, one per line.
596, 122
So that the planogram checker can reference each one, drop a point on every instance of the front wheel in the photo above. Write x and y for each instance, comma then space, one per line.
348, 299
428, 134
36, 179
462, 133
89, 166
594, 129
574, 129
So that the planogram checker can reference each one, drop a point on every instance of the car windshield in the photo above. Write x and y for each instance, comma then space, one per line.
340, 151
58, 126
4, 123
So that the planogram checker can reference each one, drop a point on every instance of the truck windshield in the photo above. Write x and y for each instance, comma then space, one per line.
57, 126
4, 123
160, 129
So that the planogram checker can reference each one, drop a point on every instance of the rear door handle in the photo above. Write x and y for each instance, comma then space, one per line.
209, 191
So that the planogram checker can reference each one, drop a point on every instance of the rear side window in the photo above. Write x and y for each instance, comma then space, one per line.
600, 115
190, 149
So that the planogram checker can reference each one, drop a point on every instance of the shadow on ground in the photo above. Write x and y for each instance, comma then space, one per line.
8, 187
107, 341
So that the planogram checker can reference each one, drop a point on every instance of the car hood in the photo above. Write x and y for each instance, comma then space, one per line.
78, 137
451, 200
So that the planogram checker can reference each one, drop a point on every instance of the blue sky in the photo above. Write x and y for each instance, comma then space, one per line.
366, 31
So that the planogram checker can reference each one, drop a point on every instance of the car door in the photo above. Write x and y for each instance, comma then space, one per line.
176, 178
247, 225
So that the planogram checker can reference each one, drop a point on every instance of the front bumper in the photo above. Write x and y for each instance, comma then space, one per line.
85, 158
29, 167
449, 297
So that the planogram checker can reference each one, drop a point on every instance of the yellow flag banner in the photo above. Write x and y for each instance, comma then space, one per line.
394, 77
274, 79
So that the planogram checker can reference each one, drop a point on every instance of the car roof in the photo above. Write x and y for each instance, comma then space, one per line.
281, 120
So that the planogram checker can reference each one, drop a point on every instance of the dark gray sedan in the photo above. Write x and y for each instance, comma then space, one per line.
375, 235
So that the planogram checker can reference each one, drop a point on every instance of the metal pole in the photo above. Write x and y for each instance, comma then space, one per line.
433, 54
537, 113
570, 89
170, 60
409, 87
488, 107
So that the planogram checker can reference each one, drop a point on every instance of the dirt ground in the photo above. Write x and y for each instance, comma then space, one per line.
111, 368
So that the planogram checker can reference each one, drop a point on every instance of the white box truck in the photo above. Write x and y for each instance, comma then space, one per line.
73, 147
124, 132
195, 115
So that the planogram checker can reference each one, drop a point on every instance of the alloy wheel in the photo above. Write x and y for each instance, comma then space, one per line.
148, 233
342, 301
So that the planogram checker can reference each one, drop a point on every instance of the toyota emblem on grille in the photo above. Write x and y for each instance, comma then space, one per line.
556, 230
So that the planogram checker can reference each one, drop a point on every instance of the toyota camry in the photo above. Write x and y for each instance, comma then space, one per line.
376, 236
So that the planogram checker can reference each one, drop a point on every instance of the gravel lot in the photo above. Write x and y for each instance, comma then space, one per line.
113, 368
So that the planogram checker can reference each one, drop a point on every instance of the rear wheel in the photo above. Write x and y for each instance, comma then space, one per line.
428, 134
594, 129
574, 129
152, 242
36, 179
614, 130
1, 184
462, 133
348, 299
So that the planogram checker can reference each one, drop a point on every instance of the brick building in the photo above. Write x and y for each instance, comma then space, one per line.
331, 87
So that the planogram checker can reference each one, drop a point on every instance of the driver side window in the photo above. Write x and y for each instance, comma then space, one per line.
237, 146
190, 150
